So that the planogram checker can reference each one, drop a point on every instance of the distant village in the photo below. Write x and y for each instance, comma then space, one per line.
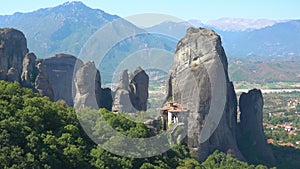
293, 103
289, 128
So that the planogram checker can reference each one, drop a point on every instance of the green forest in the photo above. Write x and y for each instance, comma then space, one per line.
38, 133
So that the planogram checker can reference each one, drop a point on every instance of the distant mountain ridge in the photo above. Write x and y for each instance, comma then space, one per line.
241, 24
278, 41
67, 27
64, 28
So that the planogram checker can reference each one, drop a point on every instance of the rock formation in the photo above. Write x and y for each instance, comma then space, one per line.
124, 80
106, 98
29, 69
199, 73
169, 88
52, 77
198, 60
42, 83
122, 100
251, 133
13, 75
88, 87
13, 48
57, 72
139, 84
133, 96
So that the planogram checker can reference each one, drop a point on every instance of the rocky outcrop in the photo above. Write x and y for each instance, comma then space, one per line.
42, 83
106, 98
88, 87
57, 72
139, 84
200, 73
29, 71
124, 80
52, 77
13, 75
133, 96
86, 91
199, 80
251, 134
169, 89
122, 102
13, 48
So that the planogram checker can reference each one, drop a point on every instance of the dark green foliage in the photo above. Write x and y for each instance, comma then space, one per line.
219, 160
38, 133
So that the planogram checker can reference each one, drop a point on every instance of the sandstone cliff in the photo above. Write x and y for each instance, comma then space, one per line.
252, 139
139, 84
199, 80
121, 99
57, 72
199, 73
29, 71
88, 89
133, 96
13, 48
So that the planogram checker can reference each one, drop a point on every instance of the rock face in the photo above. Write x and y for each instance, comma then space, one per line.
199, 74
124, 80
29, 69
52, 77
169, 88
13, 48
122, 100
42, 83
106, 98
198, 59
133, 96
87, 94
57, 73
251, 133
139, 84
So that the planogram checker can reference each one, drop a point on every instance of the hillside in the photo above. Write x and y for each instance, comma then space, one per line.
275, 42
38, 133
64, 28
263, 72
71, 25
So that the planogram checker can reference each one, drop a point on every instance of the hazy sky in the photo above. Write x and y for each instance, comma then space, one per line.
184, 9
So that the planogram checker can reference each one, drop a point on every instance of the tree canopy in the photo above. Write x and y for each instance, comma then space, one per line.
38, 133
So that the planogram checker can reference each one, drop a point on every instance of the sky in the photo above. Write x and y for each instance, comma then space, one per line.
183, 9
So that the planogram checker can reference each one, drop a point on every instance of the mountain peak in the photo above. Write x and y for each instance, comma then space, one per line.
73, 3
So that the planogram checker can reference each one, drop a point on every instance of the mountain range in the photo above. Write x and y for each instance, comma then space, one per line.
264, 43
64, 28
241, 24
67, 28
